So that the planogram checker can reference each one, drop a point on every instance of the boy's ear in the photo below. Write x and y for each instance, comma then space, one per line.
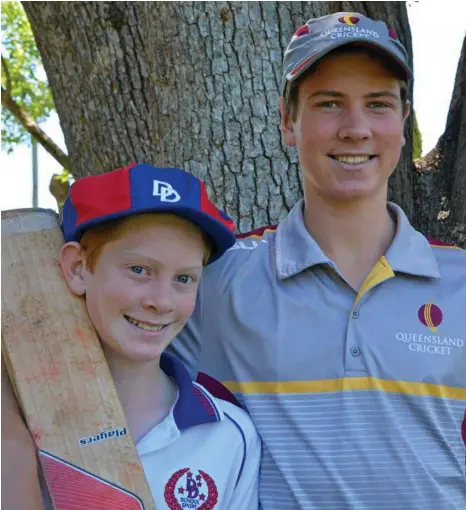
286, 125
406, 113
72, 264
407, 109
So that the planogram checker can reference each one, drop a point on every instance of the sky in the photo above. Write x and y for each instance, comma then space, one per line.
437, 33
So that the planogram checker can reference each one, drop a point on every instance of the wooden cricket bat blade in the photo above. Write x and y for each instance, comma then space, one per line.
61, 377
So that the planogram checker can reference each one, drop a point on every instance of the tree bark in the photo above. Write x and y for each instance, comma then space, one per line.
440, 177
196, 85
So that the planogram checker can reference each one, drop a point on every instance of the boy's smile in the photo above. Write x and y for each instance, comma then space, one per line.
146, 326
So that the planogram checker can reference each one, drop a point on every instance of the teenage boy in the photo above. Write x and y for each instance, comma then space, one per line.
343, 330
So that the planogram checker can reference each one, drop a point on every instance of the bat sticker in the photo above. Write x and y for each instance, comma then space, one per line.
105, 434
73, 488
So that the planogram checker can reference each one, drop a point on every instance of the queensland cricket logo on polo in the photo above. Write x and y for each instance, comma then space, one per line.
102, 436
165, 191
350, 29
188, 489
431, 317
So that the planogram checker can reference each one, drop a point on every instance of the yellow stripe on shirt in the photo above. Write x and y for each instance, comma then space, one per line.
347, 384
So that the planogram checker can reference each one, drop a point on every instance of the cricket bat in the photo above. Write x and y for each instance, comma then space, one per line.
60, 375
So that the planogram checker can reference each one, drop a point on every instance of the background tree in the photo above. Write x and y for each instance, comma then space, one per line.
26, 97
196, 85
417, 138
23, 92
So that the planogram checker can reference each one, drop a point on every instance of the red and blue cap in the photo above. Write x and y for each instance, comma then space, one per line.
142, 188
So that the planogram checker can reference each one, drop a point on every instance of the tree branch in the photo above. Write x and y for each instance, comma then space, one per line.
7, 73
31, 126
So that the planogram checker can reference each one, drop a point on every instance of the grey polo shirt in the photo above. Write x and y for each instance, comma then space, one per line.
359, 398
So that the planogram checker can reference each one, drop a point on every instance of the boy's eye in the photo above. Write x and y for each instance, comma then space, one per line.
328, 104
379, 104
139, 270
185, 279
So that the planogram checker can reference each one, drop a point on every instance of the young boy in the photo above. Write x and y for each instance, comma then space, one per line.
136, 241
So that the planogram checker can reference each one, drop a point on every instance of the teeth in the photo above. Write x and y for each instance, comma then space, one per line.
144, 326
352, 159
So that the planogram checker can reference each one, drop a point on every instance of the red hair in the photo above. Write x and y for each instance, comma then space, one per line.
94, 240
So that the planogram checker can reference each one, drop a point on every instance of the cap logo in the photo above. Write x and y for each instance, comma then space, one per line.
165, 191
349, 19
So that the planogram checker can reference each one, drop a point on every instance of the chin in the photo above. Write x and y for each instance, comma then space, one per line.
143, 355
355, 191
135, 351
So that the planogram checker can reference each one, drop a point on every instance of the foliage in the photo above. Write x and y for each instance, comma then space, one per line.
417, 139
60, 185
22, 75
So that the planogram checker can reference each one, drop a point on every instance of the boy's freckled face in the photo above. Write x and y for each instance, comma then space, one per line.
144, 285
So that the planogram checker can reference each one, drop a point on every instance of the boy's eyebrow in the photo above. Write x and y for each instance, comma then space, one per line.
325, 92
383, 93
336, 93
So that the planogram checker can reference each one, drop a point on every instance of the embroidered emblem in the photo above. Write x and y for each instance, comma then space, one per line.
430, 315
186, 490
350, 20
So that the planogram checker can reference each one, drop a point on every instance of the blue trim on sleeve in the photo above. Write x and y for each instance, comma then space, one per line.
244, 447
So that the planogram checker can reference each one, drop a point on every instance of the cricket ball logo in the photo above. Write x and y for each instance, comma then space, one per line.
184, 489
349, 19
430, 315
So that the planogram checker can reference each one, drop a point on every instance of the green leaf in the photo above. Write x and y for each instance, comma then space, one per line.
28, 81
417, 139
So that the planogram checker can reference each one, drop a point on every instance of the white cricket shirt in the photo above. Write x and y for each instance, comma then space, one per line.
205, 454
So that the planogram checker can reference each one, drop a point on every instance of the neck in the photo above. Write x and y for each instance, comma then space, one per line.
145, 391
354, 235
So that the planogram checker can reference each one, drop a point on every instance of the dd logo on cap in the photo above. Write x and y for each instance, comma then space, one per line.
165, 191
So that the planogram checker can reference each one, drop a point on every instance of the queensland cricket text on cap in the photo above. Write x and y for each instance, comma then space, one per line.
320, 36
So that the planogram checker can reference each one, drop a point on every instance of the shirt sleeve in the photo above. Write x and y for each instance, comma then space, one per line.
246, 493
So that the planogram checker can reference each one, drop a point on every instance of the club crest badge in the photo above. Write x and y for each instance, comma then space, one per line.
188, 489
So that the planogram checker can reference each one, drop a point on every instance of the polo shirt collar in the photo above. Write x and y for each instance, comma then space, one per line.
194, 405
296, 250
410, 252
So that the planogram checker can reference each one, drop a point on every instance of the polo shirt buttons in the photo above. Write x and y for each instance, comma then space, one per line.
354, 314
355, 351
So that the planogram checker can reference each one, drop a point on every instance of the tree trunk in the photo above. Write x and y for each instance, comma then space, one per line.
196, 85
440, 177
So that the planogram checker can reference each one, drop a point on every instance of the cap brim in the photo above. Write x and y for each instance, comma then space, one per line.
370, 45
222, 237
